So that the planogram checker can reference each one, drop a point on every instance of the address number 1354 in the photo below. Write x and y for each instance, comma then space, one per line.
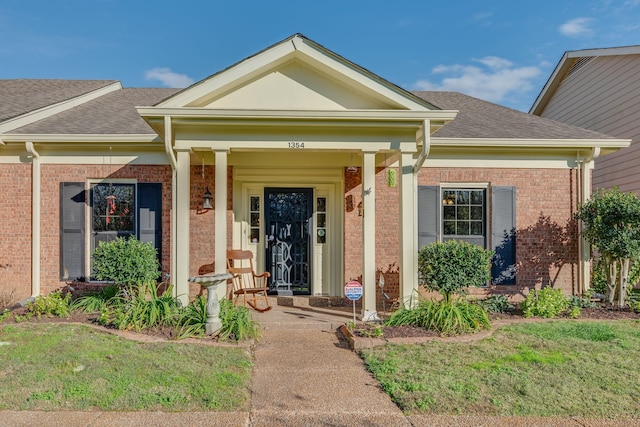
296, 145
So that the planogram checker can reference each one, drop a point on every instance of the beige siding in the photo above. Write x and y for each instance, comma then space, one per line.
603, 96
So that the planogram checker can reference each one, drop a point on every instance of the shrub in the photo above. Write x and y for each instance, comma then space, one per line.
495, 304
55, 304
448, 317
547, 302
237, 324
451, 266
126, 261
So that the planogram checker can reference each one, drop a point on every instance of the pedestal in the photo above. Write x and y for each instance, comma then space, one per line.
211, 282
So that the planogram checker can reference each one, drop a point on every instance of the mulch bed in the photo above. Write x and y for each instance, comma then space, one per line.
601, 312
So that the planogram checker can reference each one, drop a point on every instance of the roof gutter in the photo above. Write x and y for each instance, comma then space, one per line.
426, 146
35, 218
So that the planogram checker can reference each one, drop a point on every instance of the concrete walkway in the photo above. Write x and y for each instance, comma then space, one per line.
303, 376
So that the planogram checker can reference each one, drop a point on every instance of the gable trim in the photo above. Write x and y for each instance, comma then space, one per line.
299, 48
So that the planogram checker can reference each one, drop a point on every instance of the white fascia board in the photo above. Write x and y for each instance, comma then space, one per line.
82, 138
356, 73
606, 51
385, 115
530, 143
50, 110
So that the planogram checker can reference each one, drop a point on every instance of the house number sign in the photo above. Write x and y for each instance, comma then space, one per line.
294, 144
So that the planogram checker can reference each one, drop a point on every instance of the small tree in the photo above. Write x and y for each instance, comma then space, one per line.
451, 266
126, 261
612, 226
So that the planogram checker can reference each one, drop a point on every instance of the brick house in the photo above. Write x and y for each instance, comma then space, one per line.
324, 170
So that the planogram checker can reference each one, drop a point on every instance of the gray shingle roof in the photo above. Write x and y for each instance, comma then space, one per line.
482, 119
113, 113
21, 96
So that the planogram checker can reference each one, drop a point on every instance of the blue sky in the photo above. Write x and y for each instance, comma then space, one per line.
502, 51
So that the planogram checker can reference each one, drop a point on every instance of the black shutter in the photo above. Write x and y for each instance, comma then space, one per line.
150, 215
428, 215
503, 235
72, 211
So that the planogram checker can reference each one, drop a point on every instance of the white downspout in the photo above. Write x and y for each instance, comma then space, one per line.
426, 146
584, 249
35, 218
168, 139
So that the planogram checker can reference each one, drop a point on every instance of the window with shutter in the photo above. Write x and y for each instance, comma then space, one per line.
461, 214
116, 210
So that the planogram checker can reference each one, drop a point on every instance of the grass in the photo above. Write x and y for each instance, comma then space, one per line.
561, 368
74, 367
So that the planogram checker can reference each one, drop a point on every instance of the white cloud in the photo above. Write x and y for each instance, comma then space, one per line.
168, 78
494, 82
577, 27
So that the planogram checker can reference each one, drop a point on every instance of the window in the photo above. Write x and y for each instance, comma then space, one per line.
321, 228
116, 210
254, 212
464, 214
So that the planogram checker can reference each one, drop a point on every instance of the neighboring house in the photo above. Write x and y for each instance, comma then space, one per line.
598, 89
295, 145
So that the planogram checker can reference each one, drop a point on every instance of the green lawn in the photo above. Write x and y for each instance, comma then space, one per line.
560, 368
60, 366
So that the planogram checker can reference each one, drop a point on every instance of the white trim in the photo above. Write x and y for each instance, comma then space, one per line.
82, 138
355, 114
532, 143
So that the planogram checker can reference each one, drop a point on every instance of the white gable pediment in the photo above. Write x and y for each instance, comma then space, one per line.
295, 74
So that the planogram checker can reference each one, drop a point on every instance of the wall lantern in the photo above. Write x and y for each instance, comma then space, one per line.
206, 200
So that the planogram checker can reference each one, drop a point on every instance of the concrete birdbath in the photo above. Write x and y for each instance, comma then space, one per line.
211, 282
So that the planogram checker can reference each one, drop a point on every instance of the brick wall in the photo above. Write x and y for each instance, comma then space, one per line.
546, 246
202, 223
53, 175
15, 226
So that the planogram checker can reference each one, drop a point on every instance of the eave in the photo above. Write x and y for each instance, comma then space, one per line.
607, 145
83, 138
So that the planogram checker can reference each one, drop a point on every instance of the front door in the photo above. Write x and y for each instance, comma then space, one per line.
288, 214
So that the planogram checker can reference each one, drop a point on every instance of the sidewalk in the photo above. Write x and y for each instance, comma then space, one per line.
303, 376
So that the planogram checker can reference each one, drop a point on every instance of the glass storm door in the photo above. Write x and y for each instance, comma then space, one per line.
112, 212
288, 214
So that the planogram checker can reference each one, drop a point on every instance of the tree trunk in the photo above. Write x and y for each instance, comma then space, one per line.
612, 269
624, 282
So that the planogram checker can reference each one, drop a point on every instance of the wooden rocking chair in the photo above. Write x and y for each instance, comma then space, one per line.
246, 283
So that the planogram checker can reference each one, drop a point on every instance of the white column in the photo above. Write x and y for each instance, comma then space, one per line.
408, 228
221, 216
369, 236
183, 203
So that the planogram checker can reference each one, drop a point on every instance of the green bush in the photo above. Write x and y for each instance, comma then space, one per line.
237, 324
547, 302
126, 261
495, 304
448, 317
55, 304
451, 266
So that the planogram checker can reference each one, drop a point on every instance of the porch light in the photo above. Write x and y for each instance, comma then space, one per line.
206, 200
